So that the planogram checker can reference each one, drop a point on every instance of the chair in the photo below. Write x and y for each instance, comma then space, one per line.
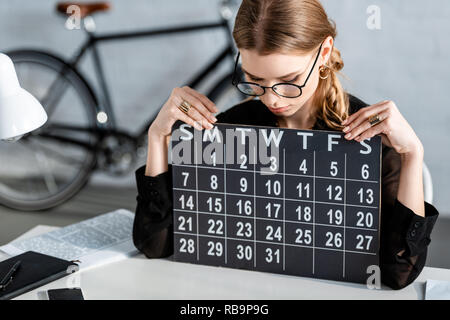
427, 184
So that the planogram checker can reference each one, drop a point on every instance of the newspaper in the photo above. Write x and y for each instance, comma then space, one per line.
96, 241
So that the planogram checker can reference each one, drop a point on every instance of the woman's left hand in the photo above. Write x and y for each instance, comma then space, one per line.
393, 128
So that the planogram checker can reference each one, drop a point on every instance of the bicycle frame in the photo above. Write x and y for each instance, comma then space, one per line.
93, 39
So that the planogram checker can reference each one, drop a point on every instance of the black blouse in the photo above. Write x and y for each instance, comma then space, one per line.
401, 229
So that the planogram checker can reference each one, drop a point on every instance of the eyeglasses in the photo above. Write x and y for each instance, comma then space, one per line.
283, 89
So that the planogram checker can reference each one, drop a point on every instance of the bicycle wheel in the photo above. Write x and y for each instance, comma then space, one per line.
48, 166
225, 95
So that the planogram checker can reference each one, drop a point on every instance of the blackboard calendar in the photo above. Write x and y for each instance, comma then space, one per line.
296, 202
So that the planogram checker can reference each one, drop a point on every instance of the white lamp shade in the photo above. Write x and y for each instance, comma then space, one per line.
20, 112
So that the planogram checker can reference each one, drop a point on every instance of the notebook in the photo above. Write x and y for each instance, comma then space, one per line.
36, 270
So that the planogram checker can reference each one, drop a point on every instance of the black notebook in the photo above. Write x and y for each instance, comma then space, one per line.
36, 270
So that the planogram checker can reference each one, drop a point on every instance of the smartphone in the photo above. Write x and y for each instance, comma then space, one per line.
65, 294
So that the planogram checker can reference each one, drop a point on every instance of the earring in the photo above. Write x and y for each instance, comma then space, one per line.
322, 69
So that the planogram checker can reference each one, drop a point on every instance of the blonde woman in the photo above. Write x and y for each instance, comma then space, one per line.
290, 63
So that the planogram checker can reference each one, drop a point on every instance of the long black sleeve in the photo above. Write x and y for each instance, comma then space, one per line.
153, 226
401, 229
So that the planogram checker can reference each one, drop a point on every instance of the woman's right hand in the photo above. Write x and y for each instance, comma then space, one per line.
200, 115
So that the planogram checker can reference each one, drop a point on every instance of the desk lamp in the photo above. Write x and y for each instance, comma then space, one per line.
20, 112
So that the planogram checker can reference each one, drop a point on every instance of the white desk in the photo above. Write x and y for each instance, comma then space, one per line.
142, 278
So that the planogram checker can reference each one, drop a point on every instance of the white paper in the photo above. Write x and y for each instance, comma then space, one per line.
437, 290
96, 241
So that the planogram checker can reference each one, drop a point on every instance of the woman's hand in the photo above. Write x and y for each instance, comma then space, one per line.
200, 115
393, 128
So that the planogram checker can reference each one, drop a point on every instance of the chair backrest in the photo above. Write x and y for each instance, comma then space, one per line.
427, 184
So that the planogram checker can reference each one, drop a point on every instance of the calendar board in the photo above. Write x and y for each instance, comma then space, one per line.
297, 202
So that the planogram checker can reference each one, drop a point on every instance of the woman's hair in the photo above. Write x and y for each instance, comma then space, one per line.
295, 26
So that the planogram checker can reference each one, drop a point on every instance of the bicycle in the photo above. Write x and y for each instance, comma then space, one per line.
50, 165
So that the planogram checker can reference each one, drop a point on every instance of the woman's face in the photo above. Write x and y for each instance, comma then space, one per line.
268, 70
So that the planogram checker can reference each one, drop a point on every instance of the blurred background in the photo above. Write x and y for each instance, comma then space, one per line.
391, 50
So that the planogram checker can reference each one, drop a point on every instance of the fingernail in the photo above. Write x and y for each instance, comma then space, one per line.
348, 135
210, 126
213, 118
344, 122
345, 129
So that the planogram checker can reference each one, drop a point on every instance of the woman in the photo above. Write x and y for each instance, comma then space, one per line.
292, 42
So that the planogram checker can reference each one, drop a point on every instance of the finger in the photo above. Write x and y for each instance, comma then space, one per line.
197, 104
189, 120
373, 131
197, 116
356, 132
363, 116
206, 101
379, 126
360, 111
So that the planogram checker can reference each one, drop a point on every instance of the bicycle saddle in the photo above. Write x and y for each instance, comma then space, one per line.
86, 9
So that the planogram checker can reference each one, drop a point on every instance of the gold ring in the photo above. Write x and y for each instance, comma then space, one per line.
373, 120
184, 106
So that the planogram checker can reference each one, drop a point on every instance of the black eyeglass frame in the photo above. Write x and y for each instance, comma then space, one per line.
233, 81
